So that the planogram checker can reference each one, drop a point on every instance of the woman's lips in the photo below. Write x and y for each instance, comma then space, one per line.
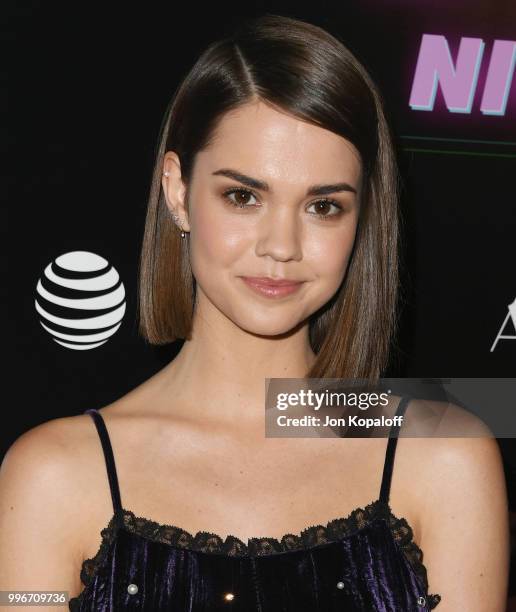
271, 288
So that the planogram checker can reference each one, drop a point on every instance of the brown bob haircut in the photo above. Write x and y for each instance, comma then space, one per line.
302, 69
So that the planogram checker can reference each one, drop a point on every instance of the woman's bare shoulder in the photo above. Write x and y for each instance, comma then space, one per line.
48, 476
451, 451
464, 509
441, 418
45, 473
51, 448
450, 467
57, 468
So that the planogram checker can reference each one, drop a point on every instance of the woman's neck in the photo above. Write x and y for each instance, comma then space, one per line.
219, 375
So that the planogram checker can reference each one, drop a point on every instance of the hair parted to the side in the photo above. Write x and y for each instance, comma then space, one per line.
302, 69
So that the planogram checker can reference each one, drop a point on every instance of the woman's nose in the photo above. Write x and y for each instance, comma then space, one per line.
279, 235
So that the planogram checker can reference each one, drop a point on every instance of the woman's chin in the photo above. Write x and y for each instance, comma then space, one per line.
267, 327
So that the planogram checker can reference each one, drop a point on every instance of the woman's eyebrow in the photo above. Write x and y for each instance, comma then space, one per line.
263, 186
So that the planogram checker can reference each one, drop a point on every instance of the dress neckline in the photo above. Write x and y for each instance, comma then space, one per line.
311, 537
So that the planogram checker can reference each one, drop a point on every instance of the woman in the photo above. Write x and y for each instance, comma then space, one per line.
275, 162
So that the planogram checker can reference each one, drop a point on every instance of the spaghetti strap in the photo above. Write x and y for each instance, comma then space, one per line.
391, 450
109, 458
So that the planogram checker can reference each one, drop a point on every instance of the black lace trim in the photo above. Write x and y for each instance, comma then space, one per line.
314, 535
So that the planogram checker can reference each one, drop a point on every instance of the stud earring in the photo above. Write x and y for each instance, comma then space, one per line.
176, 221
174, 216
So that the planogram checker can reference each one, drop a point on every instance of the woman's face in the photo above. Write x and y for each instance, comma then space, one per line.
252, 215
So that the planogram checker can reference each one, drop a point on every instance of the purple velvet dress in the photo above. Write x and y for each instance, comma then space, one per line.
365, 562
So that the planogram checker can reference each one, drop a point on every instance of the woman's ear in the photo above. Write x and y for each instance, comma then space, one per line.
175, 189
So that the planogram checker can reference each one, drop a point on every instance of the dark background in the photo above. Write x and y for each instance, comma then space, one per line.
86, 87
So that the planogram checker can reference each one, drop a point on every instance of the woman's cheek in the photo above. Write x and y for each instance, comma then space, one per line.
217, 243
330, 257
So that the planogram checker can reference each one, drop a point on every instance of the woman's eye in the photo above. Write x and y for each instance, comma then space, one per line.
241, 197
323, 205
